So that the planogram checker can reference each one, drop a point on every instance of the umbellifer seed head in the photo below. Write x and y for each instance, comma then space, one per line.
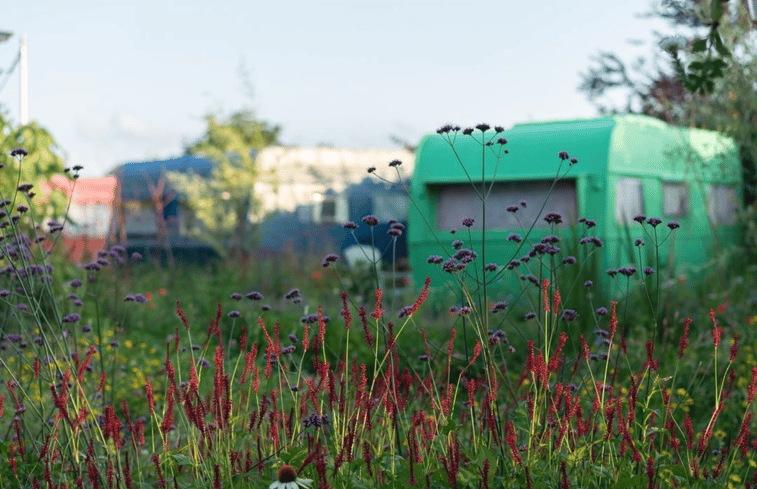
287, 474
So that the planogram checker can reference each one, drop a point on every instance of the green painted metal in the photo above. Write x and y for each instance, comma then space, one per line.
611, 151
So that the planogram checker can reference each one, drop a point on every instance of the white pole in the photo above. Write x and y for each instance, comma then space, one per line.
24, 81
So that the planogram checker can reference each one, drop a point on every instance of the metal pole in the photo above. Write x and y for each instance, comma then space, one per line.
24, 81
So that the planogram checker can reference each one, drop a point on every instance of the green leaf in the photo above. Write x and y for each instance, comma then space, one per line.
716, 10
700, 45
720, 47
182, 459
635, 481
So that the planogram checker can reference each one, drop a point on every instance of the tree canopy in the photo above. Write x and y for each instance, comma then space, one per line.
225, 202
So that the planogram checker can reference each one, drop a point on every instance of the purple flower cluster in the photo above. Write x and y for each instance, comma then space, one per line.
328, 259
371, 220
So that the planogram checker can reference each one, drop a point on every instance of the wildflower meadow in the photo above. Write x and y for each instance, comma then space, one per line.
121, 374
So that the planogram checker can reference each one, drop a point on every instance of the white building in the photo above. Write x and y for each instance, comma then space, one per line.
292, 177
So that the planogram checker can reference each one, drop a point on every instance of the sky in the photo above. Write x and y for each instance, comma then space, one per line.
122, 81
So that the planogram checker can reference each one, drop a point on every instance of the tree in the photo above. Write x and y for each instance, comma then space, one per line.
42, 162
705, 77
225, 202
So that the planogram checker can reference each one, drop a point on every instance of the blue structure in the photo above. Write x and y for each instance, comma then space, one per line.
149, 217
319, 227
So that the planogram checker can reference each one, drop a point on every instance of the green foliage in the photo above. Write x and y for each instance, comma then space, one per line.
42, 162
225, 202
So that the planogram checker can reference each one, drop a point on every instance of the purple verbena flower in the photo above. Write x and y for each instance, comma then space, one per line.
569, 315
673, 225
499, 306
71, 318
371, 220
256, 296
553, 218
468, 221
349, 225
654, 221
234, 314
434, 259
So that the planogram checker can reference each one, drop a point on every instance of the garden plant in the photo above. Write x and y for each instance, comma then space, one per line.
309, 386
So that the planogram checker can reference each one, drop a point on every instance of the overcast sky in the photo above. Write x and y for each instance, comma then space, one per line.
118, 81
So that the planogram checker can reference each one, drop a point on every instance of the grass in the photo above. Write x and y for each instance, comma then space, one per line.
189, 383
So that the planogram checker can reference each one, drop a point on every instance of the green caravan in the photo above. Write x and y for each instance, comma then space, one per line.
628, 165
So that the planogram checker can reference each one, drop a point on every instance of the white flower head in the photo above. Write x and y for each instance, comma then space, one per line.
287, 479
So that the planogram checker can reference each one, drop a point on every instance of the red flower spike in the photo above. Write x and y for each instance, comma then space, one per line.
584, 347
476, 352
555, 361
557, 301
366, 329
564, 484
684, 341
346, 314
734, 347
421, 298
182, 315
613, 320
717, 332
752, 386
689, 428
377, 311
544, 294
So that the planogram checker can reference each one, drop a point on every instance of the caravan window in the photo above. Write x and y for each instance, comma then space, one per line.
675, 199
329, 209
722, 204
458, 201
88, 220
629, 199
139, 218
390, 206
